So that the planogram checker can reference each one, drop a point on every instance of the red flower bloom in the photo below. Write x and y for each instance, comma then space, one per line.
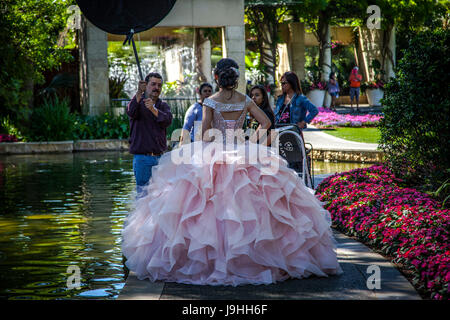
405, 224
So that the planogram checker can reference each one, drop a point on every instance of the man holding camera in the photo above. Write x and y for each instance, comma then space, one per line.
149, 119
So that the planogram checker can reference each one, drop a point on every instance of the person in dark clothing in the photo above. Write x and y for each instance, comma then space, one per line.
259, 95
149, 119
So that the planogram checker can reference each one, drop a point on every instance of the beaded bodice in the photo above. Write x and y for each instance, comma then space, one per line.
227, 127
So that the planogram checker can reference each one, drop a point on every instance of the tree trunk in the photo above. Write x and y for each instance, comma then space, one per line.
266, 22
324, 38
199, 39
388, 52
269, 54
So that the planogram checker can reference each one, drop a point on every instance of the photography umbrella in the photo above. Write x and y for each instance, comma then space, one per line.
125, 17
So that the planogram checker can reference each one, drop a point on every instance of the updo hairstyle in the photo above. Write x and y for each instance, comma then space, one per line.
227, 71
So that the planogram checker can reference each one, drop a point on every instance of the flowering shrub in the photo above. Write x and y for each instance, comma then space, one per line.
408, 226
375, 84
8, 138
327, 118
320, 85
312, 85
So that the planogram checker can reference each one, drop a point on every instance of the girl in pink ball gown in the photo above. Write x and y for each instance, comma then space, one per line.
226, 211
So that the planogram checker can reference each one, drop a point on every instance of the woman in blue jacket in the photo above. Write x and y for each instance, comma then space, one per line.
292, 106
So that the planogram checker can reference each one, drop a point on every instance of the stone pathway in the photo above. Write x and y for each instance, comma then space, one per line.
354, 258
318, 178
321, 140
364, 109
331, 148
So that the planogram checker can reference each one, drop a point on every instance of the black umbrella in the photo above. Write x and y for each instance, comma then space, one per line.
126, 17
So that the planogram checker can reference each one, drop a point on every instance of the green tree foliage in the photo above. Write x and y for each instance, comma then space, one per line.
263, 18
415, 129
409, 17
318, 15
412, 14
415, 16
29, 34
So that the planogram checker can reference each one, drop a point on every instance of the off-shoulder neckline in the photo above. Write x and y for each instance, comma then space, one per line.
227, 104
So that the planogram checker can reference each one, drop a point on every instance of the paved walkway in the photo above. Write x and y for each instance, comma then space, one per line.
364, 109
323, 141
354, 259
318, 178
320, 140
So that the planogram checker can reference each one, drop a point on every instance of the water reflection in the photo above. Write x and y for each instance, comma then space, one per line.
68, 209
322, 167
61, 210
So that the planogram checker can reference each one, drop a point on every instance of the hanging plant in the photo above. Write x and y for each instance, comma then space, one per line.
336, 47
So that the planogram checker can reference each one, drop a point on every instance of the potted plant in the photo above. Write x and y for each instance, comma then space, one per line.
313, 87
374, 89
316, 93
336, 47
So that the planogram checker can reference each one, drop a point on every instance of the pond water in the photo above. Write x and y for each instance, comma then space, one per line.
64, 210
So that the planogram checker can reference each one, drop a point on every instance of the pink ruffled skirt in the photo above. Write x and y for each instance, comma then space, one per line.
225, 221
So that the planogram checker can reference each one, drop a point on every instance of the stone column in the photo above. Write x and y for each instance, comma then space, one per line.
361, 63
202, 51
94, 83
205, 64
296, 48
370, 43
233, 44
284, 63
326, 64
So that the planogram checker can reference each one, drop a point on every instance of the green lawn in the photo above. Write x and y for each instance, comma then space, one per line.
367, 135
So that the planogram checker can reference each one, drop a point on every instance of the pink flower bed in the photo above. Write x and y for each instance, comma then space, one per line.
408, 226
8, 138
328, 118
